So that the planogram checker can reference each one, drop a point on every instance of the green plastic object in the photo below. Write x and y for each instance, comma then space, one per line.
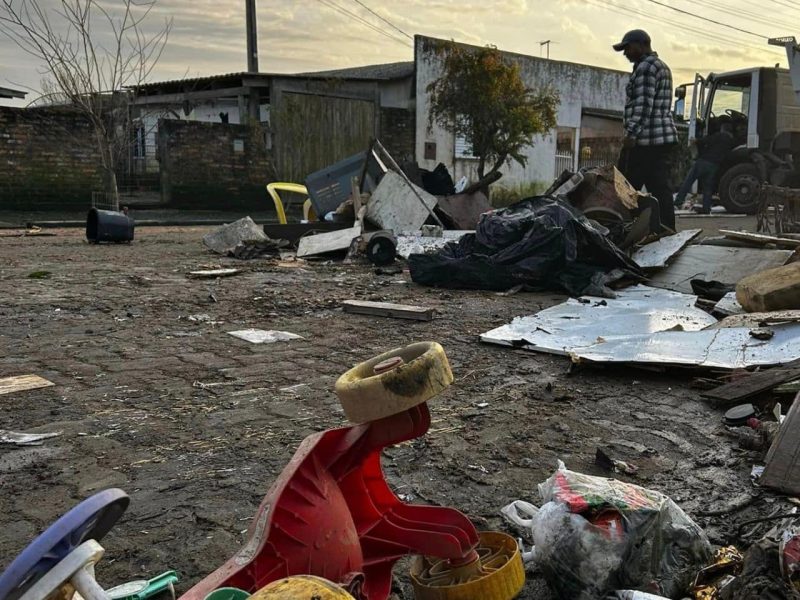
228, 593
144, 589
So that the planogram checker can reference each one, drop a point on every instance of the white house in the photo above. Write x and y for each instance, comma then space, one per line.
589, 118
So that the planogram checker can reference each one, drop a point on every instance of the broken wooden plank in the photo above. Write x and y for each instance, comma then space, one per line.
387, 309
213, 273
782, 470
759, 238
21, 383
753, 385
327, 242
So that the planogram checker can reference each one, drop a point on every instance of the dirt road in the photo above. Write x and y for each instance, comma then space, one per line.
112, 327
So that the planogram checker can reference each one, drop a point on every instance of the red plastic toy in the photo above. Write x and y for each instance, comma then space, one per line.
332, 514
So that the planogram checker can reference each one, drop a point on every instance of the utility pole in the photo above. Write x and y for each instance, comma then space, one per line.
252, 37
252, 99
545, 43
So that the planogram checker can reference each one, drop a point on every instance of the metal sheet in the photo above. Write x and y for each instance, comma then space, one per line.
729, 305
716, 263
659, 253
408, 244
579, 323
732, 348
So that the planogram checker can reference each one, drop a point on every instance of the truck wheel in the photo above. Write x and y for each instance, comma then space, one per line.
739, 188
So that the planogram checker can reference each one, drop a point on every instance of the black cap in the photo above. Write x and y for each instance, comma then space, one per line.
635, 36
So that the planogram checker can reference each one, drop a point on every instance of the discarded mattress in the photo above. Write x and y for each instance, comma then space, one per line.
541, 243
580, 323
646, 326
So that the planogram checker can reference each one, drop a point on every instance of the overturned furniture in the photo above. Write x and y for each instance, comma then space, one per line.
332, 514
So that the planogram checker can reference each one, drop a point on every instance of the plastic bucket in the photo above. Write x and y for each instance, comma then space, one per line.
108, 226
228, 593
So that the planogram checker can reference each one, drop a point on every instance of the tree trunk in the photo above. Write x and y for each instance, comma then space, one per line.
109, 170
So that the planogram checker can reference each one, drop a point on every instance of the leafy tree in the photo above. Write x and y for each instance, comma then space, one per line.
481, 97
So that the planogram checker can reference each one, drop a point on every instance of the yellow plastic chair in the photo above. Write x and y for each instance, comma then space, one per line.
274, 188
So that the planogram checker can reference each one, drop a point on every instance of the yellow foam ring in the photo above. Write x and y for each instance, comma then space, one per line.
497, 575
365, 396
301, 587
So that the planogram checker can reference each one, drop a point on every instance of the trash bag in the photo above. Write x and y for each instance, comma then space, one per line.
438, 182
541, 243
595, 535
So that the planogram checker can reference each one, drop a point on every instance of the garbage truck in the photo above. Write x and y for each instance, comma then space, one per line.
762, 105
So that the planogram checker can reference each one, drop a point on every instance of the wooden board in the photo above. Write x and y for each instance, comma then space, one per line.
327, 242
387, 309
782, 470
740, 390
716, 263
21, 383
759, 238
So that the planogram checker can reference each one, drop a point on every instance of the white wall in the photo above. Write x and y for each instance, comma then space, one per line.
580, 86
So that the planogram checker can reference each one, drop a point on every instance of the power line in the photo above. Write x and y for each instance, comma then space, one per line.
736, 12
715, 22
359, 19
385, 20
683, 27
784, 4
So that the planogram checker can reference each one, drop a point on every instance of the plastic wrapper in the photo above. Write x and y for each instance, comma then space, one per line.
595, 535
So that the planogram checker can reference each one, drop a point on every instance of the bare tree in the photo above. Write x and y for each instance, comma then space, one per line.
92, 53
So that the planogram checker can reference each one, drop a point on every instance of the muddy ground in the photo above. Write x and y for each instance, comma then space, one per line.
110, 327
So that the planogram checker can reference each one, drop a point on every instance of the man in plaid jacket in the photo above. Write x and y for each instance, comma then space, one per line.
650, 133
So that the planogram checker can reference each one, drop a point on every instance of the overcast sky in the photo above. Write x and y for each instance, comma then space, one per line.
303, 35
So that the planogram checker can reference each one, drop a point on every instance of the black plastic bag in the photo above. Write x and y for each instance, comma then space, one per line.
541, 243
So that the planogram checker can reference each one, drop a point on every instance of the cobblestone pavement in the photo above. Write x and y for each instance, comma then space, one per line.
195, 424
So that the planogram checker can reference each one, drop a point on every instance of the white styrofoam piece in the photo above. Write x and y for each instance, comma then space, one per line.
410, 243
393, 205
579, 323
260, 336
657, 254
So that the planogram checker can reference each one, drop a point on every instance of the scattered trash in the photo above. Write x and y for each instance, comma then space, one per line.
21, 383
19, 438
713, 579
381, 248
322, 243
393, 270
596, 535
260, 336
633, 595
658, 254
762, 333
541, 242
756, 472
398, 205
636, 311
387, 309
213, 273
604, 461
108, 226
242, 239
738, 415
39, 274
782, 465
789, 550
714, 263
416, 243
753, 384
771, 290
713, 290
144, 589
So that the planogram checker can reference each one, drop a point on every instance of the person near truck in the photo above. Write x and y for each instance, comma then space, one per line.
650, 133
711, 151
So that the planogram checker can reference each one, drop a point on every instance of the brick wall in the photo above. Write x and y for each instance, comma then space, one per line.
397, 133
48, 160
213, 165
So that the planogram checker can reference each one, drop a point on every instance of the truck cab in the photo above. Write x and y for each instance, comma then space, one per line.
761, 105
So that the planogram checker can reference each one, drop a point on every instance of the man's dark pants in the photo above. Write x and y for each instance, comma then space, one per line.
649, 166
705, 172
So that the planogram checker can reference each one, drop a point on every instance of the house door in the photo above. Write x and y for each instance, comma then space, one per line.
311, 132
